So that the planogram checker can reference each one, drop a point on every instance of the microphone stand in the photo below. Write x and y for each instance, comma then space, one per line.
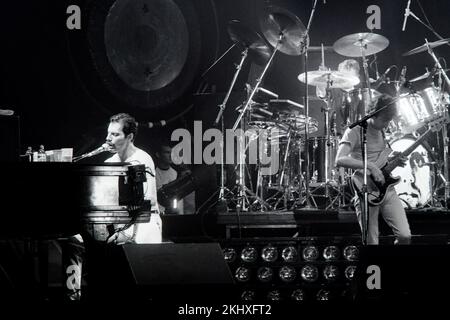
305, 44
426, 26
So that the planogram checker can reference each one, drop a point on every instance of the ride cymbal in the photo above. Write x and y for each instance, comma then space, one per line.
353, 44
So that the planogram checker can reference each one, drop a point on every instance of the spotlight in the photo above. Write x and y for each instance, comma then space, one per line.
249, 254
274, 295
298, 295
350, 272
310, 253
351, 253
331, 253
331, 272
309, 273
323, 294
269, 253
242, 274
289, 254
265, 274
248, 295
287, 274
229, 254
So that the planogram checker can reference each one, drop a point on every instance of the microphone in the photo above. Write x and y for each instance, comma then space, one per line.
104, 147
270, 93
383, 77
407, 13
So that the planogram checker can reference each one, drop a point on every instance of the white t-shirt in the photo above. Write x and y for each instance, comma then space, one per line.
150, 232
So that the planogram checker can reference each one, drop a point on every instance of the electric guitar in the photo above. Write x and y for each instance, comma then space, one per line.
377, 191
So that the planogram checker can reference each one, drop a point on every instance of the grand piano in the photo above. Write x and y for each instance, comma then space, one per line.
41, 201
57, 199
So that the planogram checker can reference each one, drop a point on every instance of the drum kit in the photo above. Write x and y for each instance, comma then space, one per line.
307, 163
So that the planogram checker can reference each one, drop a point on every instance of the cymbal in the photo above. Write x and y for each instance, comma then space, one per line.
286, 106
424, 47
280, 22
342, 80
258, 50
350, 46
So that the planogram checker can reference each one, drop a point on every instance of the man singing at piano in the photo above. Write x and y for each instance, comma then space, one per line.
122, 131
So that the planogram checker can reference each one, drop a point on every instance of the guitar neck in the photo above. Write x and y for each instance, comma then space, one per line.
393, 163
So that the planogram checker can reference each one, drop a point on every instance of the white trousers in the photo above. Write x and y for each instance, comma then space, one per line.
393, 213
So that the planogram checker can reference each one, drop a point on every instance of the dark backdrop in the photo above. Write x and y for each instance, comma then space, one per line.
48, 76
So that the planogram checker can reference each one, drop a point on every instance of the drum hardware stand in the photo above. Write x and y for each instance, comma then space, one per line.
220, 118
241, 197
286, 190
244, 193
444, 128
305, 44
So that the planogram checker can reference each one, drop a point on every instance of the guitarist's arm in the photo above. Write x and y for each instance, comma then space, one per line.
343, 159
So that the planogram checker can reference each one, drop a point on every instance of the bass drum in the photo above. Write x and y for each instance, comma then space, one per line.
416, 186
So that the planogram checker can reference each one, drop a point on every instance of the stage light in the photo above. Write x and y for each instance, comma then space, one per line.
274, 295
265, 274
242, 274
298, 295
351, 253
287, 274
331, 253
323, 294
289, 254
350, 272
331, 272
309, 273
248, 295
269, 253
310, 253
249, 254
229, 254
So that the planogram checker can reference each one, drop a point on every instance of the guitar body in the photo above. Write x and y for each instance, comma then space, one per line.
376, 191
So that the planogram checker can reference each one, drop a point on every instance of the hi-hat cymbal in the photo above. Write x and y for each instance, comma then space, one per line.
351, 45
258, 50
424, 47
342, 80
278, 22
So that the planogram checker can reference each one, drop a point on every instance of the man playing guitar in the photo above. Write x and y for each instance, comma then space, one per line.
349, 155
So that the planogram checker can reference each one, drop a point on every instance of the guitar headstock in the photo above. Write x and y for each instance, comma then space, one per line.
437, 123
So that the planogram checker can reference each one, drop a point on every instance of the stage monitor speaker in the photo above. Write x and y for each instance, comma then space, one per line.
9, 139
178, 264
